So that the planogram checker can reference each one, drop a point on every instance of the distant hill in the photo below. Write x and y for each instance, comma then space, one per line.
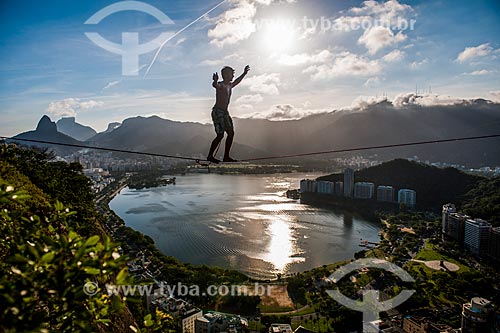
75, 130
46, 130
157, 135
384, 123
111, 128
434, 186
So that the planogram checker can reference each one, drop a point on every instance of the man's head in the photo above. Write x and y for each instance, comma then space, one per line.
227, 73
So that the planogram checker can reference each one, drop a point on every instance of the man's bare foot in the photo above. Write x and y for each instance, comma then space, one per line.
229, 159
213, 159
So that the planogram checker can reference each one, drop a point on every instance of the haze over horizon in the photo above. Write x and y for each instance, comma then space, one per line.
306, 56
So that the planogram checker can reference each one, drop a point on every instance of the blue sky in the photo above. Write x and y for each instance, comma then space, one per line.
306, 56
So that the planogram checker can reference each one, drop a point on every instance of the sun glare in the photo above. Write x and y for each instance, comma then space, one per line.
279, 35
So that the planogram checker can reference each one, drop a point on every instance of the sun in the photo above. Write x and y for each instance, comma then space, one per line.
279, 35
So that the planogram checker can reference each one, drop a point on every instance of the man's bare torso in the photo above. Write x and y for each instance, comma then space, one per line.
223, 95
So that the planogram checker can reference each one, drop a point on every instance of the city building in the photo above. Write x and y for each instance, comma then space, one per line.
385, 193
325, 187
478, 316
202, 325
339, 188
308, 185
216, 322
446, 211
363, 190
455, 228
280, 328
414, 324
348, 182
407, 197
188, 319
476, 238
494, 248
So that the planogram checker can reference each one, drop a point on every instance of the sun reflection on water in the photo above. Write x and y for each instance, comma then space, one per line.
281, 250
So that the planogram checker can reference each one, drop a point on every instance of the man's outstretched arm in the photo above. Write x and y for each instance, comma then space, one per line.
215, 80
238, 80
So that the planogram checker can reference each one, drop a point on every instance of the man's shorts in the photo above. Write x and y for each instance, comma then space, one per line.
222, 120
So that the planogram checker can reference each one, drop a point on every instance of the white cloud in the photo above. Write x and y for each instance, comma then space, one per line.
372, 82
263, 84
474, 52
363, 102
180, 41
345, 64
286, 112
496, 95
425, 100
250, 99
407, 99
305, 58
234, 25
417, 64
394, 56
380, 21
210, 62
388, 12
69, 107
479, 72
111, 84
218, 62
237, 24
377, 38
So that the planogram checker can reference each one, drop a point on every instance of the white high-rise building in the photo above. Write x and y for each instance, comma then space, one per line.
348, 182
478, 316
476, 238
339, 188
407, 197
385, 193
308, 185
447, 210
325, 187
363, 190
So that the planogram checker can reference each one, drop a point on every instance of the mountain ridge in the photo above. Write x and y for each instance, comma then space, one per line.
69, 126
377, 124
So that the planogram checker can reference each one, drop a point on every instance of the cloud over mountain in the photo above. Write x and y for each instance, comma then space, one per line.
70, 106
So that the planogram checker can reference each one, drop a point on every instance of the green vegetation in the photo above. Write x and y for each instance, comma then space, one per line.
273, 308
49, 251
483, 201
148, 179
316, 324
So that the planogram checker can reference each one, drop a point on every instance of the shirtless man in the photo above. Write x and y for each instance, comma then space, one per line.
220, 115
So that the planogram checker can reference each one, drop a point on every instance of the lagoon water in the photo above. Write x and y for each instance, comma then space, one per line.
244, 222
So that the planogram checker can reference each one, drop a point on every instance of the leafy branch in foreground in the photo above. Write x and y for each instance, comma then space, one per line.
50, 275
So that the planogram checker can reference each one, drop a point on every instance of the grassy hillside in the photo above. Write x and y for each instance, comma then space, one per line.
434, 186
